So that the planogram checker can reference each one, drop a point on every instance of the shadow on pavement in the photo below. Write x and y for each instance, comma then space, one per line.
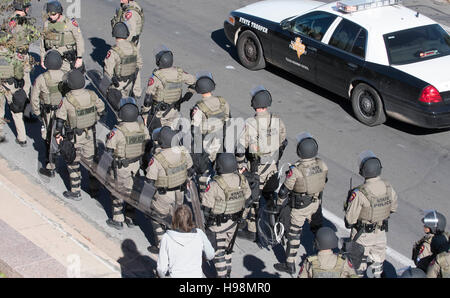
222, 41
256, 267
133, 264
100, 50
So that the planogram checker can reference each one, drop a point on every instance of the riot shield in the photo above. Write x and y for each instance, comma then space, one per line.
196, 206
101, 84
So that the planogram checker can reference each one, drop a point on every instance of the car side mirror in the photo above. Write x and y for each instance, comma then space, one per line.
286, 25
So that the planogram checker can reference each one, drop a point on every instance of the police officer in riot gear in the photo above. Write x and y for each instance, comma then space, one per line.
122, 63
75, 122
367, 210
440, 265
126, 142
163, 97
224, 201
63, 35
167, 172
260, 147
434, 224
326, 264
303, 186
45, 100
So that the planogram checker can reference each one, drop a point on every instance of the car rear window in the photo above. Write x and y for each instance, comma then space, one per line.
417, 44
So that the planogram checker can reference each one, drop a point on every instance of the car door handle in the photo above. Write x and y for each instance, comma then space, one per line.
312, 49
352, 65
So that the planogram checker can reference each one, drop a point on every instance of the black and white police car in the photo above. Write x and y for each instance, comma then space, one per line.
384, 57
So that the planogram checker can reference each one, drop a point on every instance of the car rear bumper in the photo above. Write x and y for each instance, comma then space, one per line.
428, 117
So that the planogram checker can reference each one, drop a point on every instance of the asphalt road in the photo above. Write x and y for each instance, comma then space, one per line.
416, 161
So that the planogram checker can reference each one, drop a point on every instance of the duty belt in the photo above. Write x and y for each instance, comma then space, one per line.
126, 78
301, 200
125, 162
49, 108
164, 190
219, 219
69, 55
370, 228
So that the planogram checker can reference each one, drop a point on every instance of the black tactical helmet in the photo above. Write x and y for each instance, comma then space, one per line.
53, 60
205, 83
120, 30
54, 7
226, 163
413, 273
164, 59
165, 137
75, 80
307, 146
21, 4
128, 110
369, 165
439, 244
435, 221
261, 98
326, 239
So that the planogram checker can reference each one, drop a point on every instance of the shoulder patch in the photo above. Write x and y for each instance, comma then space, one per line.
301, 269
151, 81
208, 187
194, 110
151, 161
289, 172
432, 262
128, 15
349, 263
12, 24
60, 104
19, 56
74, 22
111, 134
108, 55
352, 197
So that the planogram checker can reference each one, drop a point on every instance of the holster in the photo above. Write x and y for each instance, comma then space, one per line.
300, 201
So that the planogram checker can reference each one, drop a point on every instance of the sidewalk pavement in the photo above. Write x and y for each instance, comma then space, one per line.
41, 237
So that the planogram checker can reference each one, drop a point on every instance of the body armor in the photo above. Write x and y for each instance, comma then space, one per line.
134, 145
84, 116
6, 67
219, 114
234, 197
176, 173
120, 17
380, 207
318, 272
57, 35
314, 178
269, 143
54, 96
442, 260
172, 90
128, 63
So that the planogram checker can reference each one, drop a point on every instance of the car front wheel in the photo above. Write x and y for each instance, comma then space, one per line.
250, 51
367, 105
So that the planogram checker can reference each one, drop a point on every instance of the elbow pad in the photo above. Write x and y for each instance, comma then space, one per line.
59, 126
148, 100
284, 192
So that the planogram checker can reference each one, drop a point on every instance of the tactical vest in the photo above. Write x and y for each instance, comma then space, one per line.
271, 137
219, 114
234, 197
57, 35
380, 207
318, 272
120, 17
172, 89
176, 173
443, 260
84, 116
128, 63
54, 96
6, 67
134, 145
314, 178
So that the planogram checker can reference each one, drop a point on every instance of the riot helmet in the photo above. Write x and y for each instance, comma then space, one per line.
75, 79
326, 239
53, 60
128, 110
261, 97
306, 146
205, 82
21, 4
166, 137
120, 30
369, 165
226, 163
413, 273
435, 221
439, 244
54, 7
163, 57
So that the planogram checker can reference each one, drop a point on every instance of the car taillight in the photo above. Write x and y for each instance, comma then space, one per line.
430, 95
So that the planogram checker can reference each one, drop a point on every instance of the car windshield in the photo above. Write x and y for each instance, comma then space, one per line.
417, 44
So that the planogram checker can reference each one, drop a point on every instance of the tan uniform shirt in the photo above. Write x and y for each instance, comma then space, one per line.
40, 89
132, 18
112, 58
84, 97
200, 120
72, 26
116, 139
155, 170
327, 261
438, 265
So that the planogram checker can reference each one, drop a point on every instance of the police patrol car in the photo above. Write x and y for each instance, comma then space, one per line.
384, 57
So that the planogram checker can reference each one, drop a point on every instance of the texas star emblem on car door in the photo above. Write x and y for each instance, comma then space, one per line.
298, 46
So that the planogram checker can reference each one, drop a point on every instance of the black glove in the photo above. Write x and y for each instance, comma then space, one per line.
115, 82
39, 118
188, 95
18, 84
241, 223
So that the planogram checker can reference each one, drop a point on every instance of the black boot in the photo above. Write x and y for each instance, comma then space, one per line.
114, 224
153, 249
47, 172
285, 267
76, 196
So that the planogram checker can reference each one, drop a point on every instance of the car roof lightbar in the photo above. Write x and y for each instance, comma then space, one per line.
358, 5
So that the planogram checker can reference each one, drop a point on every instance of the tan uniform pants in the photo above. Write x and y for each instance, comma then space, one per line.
84, 146
223, 236
6, 96
124, 185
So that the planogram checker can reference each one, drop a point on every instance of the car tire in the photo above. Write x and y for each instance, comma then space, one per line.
367, 105
250, 51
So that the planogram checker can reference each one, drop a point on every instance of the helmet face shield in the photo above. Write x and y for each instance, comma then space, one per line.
127, 100
363, 156
257, 89
304, 135
204, 74
160, 49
